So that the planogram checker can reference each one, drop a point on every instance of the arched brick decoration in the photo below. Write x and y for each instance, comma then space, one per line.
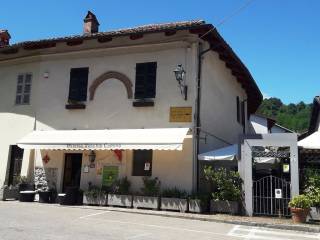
108, 75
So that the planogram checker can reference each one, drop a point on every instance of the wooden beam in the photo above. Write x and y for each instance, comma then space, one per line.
104, 39
136, 36
75, 42
170, 32
34, 46
10, 51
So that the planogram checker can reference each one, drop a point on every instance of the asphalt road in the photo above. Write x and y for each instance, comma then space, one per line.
33, 221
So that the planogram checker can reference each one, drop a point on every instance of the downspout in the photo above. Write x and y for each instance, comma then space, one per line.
197, 112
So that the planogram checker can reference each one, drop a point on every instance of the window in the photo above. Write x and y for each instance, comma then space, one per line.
145, 86
142, 163
23, 89
241, 112
78, 84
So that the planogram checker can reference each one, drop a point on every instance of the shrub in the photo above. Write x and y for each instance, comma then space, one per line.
203, 197
151, 186
174, 193
312, 186
300, 201
121, 186
227, 184
93, 192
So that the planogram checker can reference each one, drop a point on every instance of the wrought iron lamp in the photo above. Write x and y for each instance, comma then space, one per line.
92, 157
180, 74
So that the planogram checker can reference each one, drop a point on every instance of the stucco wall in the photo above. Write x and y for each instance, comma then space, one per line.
173, 168
219, 89
258, 125
110, 108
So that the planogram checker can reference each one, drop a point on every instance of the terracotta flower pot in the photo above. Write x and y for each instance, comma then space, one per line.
299, 215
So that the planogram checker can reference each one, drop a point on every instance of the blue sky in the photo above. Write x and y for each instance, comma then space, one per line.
278, 40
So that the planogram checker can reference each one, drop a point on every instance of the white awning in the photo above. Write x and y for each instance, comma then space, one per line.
155, 139
227, 153
311, 142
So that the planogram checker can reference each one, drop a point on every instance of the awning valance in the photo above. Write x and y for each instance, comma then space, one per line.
311, 142
155, 139
227, 153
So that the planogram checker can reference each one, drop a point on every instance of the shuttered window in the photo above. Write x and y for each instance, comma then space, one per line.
78, 84
142, 163
145, 86
243, 113
238, 110
23, 91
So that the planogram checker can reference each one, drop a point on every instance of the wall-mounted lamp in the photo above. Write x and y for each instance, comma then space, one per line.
92, 157
180, 74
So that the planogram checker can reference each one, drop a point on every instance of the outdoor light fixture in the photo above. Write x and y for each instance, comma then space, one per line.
180, 73
92, 156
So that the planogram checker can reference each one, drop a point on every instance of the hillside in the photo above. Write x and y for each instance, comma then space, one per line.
293, 116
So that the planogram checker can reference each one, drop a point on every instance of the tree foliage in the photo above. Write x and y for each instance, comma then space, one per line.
293, 116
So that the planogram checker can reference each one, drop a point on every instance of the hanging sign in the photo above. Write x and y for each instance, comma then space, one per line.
278, 193
109, 175
86, 169
147, 166
286, 168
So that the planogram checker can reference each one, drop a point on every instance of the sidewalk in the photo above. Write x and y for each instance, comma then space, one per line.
277, 223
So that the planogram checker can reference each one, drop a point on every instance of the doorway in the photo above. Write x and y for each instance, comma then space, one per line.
72, 170
16, 156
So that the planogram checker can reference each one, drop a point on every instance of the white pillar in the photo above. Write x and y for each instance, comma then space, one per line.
247, 171
294, 165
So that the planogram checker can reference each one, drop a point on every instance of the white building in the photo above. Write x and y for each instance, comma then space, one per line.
259, 124
55, 92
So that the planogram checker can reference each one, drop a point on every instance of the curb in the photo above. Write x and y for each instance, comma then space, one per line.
293, 227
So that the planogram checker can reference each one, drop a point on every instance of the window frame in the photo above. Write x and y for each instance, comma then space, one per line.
135, 164
147, 75
85, 98
22, 94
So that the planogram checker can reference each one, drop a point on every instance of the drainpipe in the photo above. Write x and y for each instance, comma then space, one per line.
197, 110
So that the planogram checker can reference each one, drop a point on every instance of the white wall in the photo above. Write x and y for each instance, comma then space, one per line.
258, 125
110, 108
219, 90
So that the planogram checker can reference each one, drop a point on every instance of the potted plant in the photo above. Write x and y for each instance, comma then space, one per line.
94, 196
300, 208
312, 190
120, 193
149, 196
198, 203
174, 199
11, 191
25, 185
45, 195
226, 194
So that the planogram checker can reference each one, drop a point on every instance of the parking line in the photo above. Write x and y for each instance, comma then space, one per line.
164, 227
93, 214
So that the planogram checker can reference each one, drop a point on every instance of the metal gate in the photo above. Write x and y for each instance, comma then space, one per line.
271, 196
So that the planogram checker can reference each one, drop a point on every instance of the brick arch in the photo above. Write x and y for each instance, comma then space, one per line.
109, 75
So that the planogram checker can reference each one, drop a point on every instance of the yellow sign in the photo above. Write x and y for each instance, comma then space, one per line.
180, 114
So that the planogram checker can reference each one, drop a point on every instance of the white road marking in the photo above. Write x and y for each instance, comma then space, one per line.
93, 214
258, 233
139, 236
161, 227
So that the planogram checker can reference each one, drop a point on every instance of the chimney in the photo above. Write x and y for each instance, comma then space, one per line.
4, 38
91, 24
